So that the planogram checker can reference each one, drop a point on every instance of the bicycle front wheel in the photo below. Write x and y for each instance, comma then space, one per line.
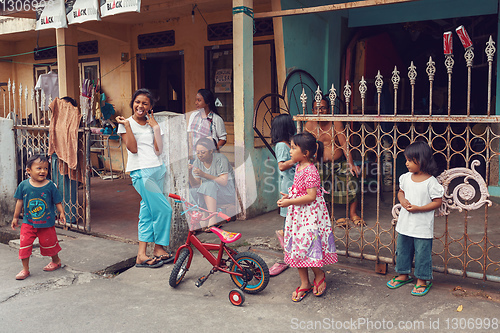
255, 272
180, 268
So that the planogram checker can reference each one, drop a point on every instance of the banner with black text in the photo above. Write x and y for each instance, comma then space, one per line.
78, 11
50, 15
113, 7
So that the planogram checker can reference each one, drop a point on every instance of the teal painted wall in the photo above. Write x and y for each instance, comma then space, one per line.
315, 42
266, 174
312, 43
420, 11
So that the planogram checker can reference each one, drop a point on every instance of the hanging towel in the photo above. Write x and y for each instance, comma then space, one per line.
63, 134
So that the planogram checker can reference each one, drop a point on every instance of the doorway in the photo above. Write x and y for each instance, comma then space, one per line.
163, 74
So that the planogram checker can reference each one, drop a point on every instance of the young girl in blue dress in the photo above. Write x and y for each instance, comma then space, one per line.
419, 194
309, 241
282, 130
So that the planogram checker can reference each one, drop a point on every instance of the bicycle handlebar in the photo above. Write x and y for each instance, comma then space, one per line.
224, 216
174, 196
221, 215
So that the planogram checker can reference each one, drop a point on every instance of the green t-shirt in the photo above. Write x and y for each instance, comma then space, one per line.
38, 203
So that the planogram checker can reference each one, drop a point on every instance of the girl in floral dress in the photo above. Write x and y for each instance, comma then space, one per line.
309, 241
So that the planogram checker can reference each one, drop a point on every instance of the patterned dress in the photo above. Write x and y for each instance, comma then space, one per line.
308, 234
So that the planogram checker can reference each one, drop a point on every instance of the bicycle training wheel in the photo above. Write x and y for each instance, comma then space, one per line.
255, 272
180, 269
236, 297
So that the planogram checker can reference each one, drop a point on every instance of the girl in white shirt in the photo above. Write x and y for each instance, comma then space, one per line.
142, 136
419, 194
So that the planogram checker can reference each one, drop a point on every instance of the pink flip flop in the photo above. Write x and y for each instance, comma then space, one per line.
52, 267
277, 268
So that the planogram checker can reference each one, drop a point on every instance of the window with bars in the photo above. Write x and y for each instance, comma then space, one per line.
156, 39
50, 52
224, 30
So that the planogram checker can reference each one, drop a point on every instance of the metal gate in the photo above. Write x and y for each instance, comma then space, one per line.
465, 243
31, 128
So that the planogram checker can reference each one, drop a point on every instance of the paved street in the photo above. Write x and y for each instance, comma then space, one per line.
75, 300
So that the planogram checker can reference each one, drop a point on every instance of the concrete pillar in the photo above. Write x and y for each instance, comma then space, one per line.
8, 172
67, 62
243, 103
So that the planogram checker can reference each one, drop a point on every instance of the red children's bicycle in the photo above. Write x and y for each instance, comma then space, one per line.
248, 271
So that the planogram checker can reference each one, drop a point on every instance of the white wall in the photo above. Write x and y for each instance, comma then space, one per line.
8, 182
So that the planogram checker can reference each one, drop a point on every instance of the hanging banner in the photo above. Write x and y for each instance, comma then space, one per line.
50, 15
78, 11
112, 7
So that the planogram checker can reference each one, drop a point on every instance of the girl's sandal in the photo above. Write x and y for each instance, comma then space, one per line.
394, 283
317, 285
423, 292
305, 291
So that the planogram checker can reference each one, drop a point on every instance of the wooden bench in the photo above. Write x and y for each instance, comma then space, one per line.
458, 194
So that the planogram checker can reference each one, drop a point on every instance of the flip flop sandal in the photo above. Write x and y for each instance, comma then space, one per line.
298, 291
399, 283
22, 275
277, 268
424, 292
342, 223
52, 267
319, 284
359, 222
155, 263
166, 258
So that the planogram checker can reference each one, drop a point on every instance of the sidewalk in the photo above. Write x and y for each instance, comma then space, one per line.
356, 295
87, 253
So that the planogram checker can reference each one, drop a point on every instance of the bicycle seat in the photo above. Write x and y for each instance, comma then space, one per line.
226, 236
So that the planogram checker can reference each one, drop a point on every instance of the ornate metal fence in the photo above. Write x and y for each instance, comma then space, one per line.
465, 243
28, 108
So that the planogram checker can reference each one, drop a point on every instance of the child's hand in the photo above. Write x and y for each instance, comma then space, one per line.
121, 120
151, 121
284, 202
413, 208
14, 223
284, 196
62, 219
405, 203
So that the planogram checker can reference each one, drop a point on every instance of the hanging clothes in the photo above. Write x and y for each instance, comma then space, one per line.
49, 84
63, 137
